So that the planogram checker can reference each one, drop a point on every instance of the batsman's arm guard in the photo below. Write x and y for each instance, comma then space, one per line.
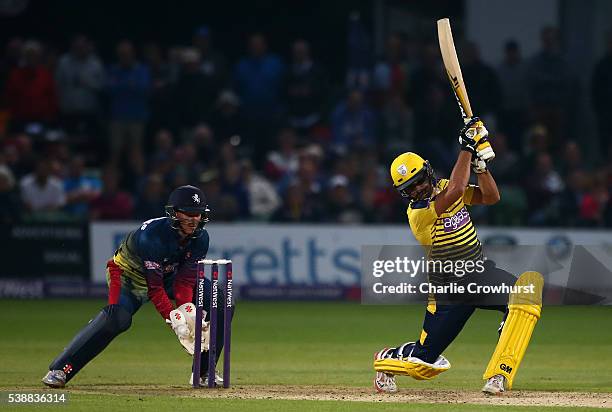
524, 311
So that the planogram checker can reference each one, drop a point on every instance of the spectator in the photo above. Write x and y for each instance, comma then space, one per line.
601, 90
537, 141
506, 166
30, 90
228, 118
576, 186
162, 81
9, 199
511, 72
192, 93
80, 78
161, 161
235, 191
592, 201
258, 80
571, 159
299, 205
391, 73
187, 162
80, 189
359, 54
371, 208
341, 206
306, 88
543, 186
213, 64
550, 85
284, 160
310, 180
428, 75
129, 85
41, 192
485, 89
205, 144
294, 208
210, 184
112, 203
263, 199
10, 60
396, 126
19, 155
152, 199
352, 123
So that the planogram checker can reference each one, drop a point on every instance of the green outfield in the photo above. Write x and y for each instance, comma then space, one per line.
285, 354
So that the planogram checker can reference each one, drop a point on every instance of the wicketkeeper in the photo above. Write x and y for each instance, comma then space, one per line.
156, 262
440, 222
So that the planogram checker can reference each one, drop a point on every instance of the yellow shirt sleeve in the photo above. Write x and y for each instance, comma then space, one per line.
421, 221
467, 195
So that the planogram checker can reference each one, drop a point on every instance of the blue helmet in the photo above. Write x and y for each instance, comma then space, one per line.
189, 199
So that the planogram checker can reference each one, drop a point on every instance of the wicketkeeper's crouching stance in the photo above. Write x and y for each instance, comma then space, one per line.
441, 223
156, 262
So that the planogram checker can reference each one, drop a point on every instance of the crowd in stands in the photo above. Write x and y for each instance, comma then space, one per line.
273, 137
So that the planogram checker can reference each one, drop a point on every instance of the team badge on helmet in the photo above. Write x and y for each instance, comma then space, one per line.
409, 170
196, 198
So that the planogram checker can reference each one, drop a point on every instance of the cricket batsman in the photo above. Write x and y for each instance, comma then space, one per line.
440, 222
156, 262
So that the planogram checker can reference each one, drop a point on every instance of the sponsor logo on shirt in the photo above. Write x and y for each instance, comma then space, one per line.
152, 265
170, 268
456, 221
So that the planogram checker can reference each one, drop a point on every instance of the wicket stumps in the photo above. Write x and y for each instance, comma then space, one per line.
227, 320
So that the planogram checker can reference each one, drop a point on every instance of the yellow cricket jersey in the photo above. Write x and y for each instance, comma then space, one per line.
450, 236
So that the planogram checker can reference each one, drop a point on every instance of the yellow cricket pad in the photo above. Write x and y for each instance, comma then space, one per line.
524, 311
412, 367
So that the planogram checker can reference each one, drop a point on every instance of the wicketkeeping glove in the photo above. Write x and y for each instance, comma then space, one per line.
182, 321
179, 325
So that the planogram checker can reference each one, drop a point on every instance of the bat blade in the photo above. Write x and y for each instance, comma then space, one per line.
453, 69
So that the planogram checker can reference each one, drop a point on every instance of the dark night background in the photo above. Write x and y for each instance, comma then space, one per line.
323, 24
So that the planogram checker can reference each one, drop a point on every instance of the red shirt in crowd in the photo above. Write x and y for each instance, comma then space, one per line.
30, 94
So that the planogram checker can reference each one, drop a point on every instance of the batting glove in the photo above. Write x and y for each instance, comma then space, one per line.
478, 165
475, 130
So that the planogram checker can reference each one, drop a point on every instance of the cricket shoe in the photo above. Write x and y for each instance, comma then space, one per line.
495, 385
204, 381
55, 379
384, 382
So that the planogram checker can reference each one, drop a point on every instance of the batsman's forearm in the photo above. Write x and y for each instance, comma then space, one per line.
461, 172
488, 188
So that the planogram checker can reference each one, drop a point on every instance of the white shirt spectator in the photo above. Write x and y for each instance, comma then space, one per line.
50, 196
263, 197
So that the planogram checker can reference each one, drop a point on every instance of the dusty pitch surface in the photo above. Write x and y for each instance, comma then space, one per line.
314, 393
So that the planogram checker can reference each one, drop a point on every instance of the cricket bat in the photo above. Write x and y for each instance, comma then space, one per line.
453, 70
